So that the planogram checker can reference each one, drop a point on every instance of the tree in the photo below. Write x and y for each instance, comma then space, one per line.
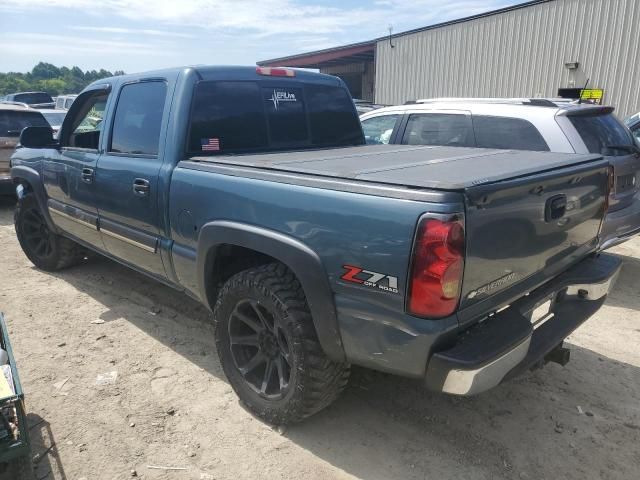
51, 79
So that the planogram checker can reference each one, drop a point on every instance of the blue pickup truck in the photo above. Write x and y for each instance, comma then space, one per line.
252, 190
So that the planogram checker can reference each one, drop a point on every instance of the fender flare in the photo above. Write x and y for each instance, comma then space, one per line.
297, 256
32, 177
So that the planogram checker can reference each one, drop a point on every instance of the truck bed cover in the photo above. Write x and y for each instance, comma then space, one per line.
445, 168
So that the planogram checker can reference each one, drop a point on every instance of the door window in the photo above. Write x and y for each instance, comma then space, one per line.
138, 118
450, 129
378, 130
83, 125
636, 132
507, 133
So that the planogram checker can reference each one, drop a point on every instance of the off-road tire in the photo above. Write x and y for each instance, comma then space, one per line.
315, 381
60, 253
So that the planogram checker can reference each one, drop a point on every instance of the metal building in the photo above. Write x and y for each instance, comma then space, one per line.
538, 48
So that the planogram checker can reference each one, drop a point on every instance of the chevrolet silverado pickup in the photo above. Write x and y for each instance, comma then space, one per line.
252, 190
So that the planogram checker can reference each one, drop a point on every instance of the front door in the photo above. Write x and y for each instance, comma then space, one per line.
127, 177
69, 172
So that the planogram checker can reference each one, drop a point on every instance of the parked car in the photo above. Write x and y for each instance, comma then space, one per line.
251, 189
64, 102
33, 99
54, 118
524, 124
633, 123
13, 119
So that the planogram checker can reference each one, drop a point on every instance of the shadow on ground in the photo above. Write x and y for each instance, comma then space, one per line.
388, 427
6, 205
626, 293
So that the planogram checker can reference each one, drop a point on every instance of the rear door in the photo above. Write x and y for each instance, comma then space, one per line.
127, 176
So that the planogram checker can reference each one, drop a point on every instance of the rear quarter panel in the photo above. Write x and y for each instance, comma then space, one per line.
342, 228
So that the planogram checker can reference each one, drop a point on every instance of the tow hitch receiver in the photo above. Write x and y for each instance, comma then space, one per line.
559, 355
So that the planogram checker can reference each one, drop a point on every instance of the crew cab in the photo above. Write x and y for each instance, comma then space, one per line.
252, 190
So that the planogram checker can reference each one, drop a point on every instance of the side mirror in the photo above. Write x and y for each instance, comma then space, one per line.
37, 137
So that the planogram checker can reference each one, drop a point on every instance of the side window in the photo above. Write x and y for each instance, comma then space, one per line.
507, 133
378, 130
83, 126
636, 132
449, 129
59, 103
138, 118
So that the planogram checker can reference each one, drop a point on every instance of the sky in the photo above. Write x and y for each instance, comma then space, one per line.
139, 35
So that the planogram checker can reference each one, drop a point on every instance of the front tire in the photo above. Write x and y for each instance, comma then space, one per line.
269, 349
46, 249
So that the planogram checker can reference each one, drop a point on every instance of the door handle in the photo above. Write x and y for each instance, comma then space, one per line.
87, 175
141, 187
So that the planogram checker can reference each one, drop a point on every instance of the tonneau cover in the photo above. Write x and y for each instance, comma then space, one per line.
446, 168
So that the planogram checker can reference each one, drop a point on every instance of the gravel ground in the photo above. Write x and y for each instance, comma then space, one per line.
170, 405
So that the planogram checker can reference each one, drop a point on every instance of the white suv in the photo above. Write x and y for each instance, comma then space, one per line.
524, 124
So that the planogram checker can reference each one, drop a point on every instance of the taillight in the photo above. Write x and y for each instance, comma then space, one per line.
437, 266
276, 71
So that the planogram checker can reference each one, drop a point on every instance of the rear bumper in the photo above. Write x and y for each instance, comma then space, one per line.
621, 225
507, 343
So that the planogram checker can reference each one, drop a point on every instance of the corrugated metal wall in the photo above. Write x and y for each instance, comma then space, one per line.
520, 53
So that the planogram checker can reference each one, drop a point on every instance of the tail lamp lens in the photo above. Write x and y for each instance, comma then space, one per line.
438, 264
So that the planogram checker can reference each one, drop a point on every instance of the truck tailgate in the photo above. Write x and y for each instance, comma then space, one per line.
524, 231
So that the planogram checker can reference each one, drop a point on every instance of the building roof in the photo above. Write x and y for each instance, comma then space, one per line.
365, 51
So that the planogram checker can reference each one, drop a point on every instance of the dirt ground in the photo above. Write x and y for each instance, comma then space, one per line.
170, 405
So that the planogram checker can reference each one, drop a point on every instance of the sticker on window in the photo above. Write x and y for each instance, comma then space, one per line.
210, 144
279, 96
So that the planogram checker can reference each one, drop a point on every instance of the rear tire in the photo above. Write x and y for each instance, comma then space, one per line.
269, 349
46, 249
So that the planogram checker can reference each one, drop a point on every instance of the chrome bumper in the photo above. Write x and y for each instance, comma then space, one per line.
507, 344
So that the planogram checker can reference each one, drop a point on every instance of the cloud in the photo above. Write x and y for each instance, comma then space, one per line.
40, 44
131, 31
273, 17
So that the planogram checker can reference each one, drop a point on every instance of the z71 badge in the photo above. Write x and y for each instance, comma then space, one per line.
368, 278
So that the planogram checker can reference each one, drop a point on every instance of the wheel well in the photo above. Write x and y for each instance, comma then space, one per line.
226, 262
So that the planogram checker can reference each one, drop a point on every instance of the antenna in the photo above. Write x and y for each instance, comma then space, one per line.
586, 84
390, 28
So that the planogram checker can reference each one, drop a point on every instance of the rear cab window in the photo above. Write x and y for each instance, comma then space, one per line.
255, 116
601, 132
35, 97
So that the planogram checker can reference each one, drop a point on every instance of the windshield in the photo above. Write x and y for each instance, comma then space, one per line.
36, 97
54, 118
238, 116
600, 132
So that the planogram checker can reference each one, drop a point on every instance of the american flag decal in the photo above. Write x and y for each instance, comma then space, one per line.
210, 144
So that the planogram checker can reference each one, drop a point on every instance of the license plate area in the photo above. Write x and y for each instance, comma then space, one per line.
542, 311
